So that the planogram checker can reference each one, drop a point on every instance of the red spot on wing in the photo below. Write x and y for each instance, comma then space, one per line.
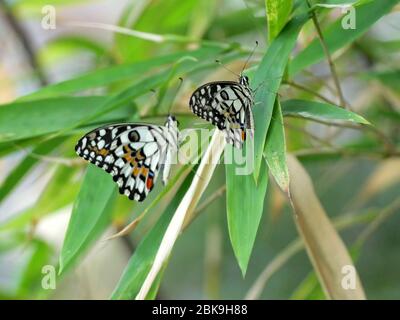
149, 183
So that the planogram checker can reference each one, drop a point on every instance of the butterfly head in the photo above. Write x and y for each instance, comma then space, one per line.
244, 80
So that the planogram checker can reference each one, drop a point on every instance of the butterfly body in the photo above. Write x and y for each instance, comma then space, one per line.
227, 105
132, 153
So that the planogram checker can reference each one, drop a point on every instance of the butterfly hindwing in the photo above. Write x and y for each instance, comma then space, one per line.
227, 105
131, 153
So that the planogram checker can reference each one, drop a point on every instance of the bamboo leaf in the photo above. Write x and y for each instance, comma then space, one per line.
324, 246
21, 120
319, 111
278, 12
90, 216
275, 149
269, 75
109, 75
245, 204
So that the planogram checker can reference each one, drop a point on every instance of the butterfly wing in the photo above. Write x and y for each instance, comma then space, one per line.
131, 153
227, 105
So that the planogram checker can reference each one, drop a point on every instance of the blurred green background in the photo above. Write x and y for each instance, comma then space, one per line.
86, 59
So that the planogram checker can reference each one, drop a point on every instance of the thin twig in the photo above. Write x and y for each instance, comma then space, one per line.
311, 135
69, 162
390, 148
218, 193
328, 57
305, 89
320, 79
343, 152
374, 225
26, 44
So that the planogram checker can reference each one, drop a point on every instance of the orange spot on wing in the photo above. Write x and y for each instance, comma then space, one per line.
145, 171
243, 135
128, 158
128, 153
103, 152
136, 171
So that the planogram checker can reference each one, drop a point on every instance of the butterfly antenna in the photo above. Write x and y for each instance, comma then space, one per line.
249, 57
226, 68
177, 90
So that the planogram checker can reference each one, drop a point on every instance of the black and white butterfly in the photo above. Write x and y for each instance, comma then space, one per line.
133, 153
227, 105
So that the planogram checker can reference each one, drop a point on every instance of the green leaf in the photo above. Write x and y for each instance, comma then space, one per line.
90, 216
185, 65
337, 37
21, 120
25, 166
275, 149
319, 111
269, 75
278, 12
245, 203
331, 4
140, 263
113, 74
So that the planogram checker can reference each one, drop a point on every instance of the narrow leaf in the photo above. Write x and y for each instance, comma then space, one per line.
278, 12
21, 120
319, 111
109, 75
275, 149
324, 246
269, 75
245, 204
90, 216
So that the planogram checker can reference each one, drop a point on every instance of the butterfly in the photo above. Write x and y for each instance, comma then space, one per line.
133, 153
227, 105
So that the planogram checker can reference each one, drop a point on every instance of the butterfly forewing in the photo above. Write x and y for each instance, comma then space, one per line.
227, 105
131, 153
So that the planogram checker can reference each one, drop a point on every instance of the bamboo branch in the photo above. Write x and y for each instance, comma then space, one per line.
328, 57
308, 90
